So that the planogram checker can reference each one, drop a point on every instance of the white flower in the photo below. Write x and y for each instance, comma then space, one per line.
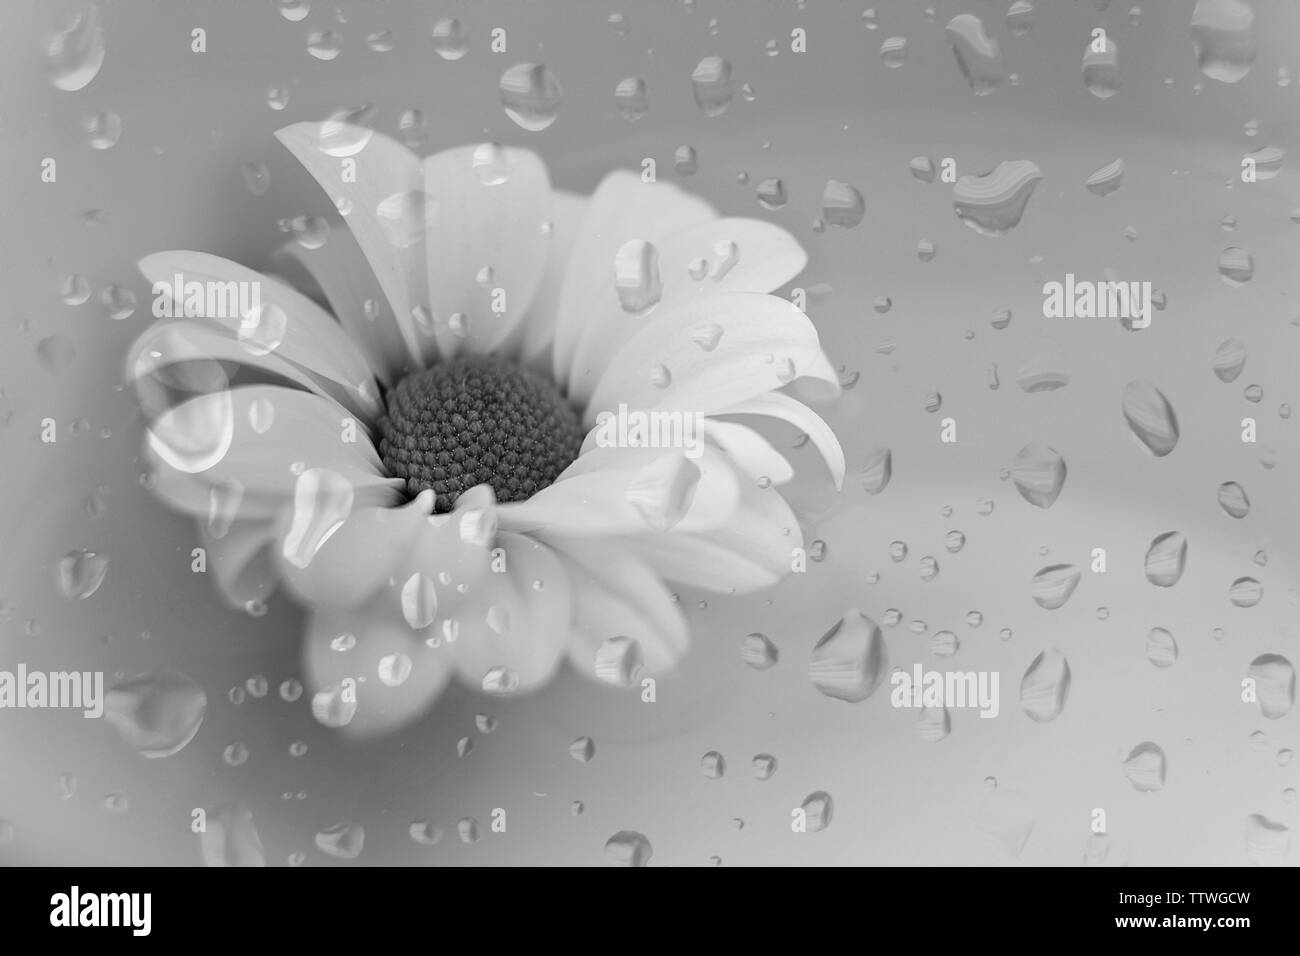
424, 468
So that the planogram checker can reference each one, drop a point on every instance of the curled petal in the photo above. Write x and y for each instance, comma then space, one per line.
752, 453
782, 406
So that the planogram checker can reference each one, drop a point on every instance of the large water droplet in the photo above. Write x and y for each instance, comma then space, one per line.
1046, 686
850, 660
1166, 558
1233, 500
1246, 592
711, 82
618, 661
419, 601
156, 714
978, 56
636, 276
1101, 73
993, 203
450, 39
531, 95
1223, 36
74, 54
1107, 179
343, 841
1229, 360
1145, 767
1039, 474
1274, 679
628, 848
262, 330
630, 98
1052, 586
876, 471
1150, 417
335, 706
1236, 266
842, 204
758, 651
1162, 649
80, 573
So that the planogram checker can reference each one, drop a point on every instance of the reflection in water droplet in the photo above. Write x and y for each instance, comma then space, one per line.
156, 714
1274, 679
1052, 586
1107, 179
80, 573
711, 82
1046, 686
758, 651
262, 330
1145, 767
74, 53
531, 95
74, 289
324, 45
630, 98
628, 848
1246, 592
450, 39
1101, 73
1166, 558
1150, 417
993, 204
1236, 266
978, 55
818, 808
842, 204
1162, 649
1039, 474
343, 841
1223, 36
771, 194
713, 765
850, 660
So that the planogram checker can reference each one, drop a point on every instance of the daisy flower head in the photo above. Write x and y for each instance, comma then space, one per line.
479, 427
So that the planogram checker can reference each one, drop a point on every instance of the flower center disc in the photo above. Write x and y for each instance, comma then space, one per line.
474, 421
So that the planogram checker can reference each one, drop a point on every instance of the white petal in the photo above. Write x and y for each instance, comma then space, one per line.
384, 168
741, 255
618, 595
309, 339
520, 619
782, 406
383, 646
488, 209
610, 491
213, 437
763, 343
752, 551
340, 271
752, 453
538, 332
621, 209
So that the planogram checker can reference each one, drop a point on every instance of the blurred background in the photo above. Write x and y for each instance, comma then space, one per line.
167, 148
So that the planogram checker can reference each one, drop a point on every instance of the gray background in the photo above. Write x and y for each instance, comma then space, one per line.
174, 181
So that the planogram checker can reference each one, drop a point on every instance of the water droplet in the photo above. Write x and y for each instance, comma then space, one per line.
934, 724
978, 55
1229, 360
80, 573
1233, 500
1107, 179
262, 330
343, 841
257, 178
425, 832
277, 97
1150, 417
636, 276
992, 204
531, 96
1039, 474
630, 98
1267, 161
74, 53
618, 661
758, 651
818, 808
322, 501
1101, 73
1166, 558
842, 204
419, 601
394, 669
294, 10
324, 45
628, 848
713, 765
290, 690
583, 749
945, 644
1267, 843
893, 52
1046, 686
334, 706
102, 130
1145, 767
1052, 586
1236, 266
1162, 649
235, 754
711, 81
1246, 592
763, 766
1274, 679
850, 660
156, 714
771, 194
118, 301
500, 680
1223, 36
450, 39
685, 161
